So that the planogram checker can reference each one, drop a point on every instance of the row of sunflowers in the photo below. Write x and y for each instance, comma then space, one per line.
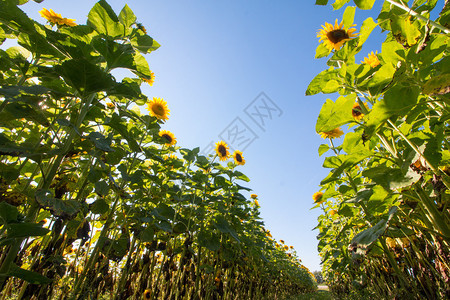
384, 231
96, 199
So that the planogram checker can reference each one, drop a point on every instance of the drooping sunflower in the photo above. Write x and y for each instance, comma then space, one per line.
151, 80
238, 158
371, 60
357, 112
335, 133
317, 197
158, 108
222, 150
335, 36
168, 137
55, 18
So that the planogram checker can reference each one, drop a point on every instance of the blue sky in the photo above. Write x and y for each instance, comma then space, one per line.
215, 58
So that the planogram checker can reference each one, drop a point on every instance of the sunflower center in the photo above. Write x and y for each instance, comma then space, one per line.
337, 35
158, 109
167, 137
356, 112
238, 157
222, 150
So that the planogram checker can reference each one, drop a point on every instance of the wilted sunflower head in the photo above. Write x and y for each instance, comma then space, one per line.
158, 108
371, 60
222, 150
335, 133
238, 158
168, 137
317, 197
335, 36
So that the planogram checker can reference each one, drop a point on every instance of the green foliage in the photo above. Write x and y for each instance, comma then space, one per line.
386, 196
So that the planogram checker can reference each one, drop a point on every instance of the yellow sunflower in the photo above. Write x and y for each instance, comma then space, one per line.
256, 203
253, 196
222, 150
168, 137
238, 158
335, 37
371, 60
317, 197
55, 18
151, 80
147, 294
158, 108
335, 133
333, 212
357, 112
110, 105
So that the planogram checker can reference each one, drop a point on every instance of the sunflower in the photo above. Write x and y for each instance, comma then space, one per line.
110, 105
151, 80
158, 108
333, 212
256, 203
317, 197
335, 133
335, 37
168, 137
357, 112
253, 196
371, 60
222, 150
238, 158
55, 18
147, 294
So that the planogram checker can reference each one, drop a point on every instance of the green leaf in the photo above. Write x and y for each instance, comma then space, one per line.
144, 43
99, 206
339, 3
29, 276
104, 20
86, 77
102, 188
164, 225
364, 4
58, 207
18, 52
222, 224
319, 82
403, 30
335, 114
127, 18
437, 85
8, 213
19, 110
209, 240
20, 230
392, 52
348, 16
147, 235
323, 148
321, 2
322, 51
100, 141
366, 29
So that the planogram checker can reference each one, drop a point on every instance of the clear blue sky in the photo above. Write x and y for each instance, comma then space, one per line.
215, 58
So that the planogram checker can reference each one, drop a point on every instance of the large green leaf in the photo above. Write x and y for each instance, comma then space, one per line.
127, 18
58, 207
21, 230
8, 213
209, 240
105, 21
86, 77
29, 276
320, 82
144, 43
335, 114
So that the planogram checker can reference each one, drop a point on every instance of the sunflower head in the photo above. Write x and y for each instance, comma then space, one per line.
333, 212
371, 60
335, 36
110, 105
317, 197
151, 80
238, 158
335, 133
256, 203
222, 150
158, 108
357, 112
54, 18
168, 137
253, 196
147, 294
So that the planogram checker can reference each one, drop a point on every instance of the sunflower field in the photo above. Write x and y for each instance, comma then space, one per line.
385, 226
97, 201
